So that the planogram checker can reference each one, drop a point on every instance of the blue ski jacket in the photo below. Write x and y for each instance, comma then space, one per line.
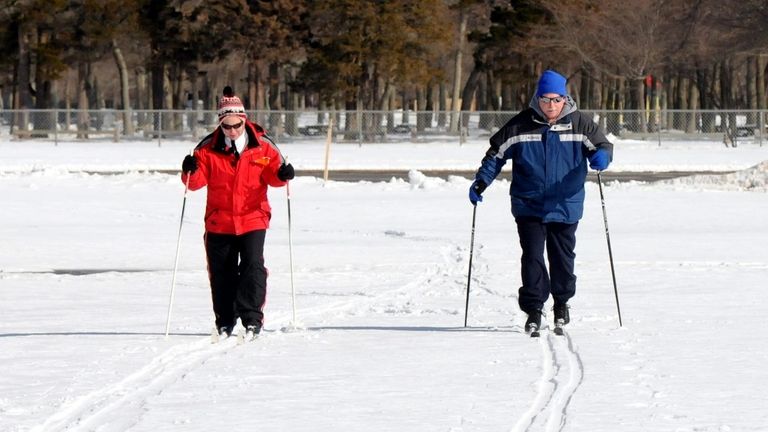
549, 162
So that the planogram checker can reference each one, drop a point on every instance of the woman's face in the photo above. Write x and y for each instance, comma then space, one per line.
233, 126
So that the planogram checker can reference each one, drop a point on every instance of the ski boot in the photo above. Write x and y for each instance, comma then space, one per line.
533, 323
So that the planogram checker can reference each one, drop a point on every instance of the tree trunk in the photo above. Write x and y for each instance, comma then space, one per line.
291, 104
442, 105
429, 107
125, 95
761, 102
507, 96
761, 84
256, 91
141, 97
619, 101
455, 102
158, 83
684, 88
157, 71
168, 102
467, 96
83, 86
638, 88
584, 101
752, 89
670, 94
275, 102
253, 85
470, 89
23, 83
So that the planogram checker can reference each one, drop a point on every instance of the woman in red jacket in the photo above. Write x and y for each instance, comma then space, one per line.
237, 162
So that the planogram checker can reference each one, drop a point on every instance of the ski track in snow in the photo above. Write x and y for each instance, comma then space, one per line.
106, 409
561, 376
95, 410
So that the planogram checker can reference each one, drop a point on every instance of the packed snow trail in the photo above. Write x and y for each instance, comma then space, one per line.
107, 408
96, 409
562, 371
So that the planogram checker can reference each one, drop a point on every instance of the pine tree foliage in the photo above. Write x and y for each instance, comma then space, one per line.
357, 45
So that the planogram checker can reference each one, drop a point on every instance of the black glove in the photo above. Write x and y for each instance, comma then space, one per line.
286, 172
189, 165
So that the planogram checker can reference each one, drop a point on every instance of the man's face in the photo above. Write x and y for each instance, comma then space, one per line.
551, 104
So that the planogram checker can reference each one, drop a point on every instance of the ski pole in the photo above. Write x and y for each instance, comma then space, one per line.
176, 260
608, 239
469, 273
290, 250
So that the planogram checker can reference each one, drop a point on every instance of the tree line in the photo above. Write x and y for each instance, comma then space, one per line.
445, 55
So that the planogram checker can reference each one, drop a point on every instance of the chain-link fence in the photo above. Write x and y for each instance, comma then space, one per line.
730, 127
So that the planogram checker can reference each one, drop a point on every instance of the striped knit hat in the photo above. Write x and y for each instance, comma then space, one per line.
229, 104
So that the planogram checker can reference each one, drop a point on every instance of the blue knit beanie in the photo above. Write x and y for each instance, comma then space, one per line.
551, 82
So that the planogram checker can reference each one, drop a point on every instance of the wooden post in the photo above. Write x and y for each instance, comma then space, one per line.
328, 140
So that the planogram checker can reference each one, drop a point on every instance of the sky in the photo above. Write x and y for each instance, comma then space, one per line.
379, 270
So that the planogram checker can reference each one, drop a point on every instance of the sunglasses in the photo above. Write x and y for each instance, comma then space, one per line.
557, 99
231, 126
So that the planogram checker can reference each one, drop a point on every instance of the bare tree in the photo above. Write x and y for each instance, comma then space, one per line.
614, 38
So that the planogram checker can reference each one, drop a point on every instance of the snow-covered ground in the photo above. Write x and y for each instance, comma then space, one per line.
380, 277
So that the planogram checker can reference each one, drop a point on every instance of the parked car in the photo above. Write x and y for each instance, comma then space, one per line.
313, 130
404, 128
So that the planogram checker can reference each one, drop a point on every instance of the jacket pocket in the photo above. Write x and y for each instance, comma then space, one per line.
210, 217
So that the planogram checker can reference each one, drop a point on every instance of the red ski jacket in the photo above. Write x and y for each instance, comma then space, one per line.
237, 183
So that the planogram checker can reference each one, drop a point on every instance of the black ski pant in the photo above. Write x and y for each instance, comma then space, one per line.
238, 277
559, 239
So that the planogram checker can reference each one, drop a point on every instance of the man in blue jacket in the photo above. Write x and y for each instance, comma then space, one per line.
550, 144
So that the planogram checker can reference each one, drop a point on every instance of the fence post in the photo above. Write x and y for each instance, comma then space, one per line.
658, 128
359, 126
56, 127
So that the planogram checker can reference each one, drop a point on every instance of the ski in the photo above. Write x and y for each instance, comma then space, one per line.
559, 330
247, 335
217, 336
533, 323
559, 327
245, 338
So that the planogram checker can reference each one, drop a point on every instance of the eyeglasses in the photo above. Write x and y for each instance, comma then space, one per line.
557, 99
231, 126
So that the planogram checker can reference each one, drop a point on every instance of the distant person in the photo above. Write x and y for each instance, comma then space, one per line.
549, 143
237, 162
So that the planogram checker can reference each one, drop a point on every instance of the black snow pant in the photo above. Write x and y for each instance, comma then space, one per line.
238, 277
560, 242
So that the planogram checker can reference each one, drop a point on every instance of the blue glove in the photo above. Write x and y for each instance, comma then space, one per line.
599, 160
476, 190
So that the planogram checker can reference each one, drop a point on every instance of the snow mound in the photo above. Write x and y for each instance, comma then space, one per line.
418, 180
751, 179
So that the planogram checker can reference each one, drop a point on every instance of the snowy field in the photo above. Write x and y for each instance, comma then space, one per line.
380, 276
